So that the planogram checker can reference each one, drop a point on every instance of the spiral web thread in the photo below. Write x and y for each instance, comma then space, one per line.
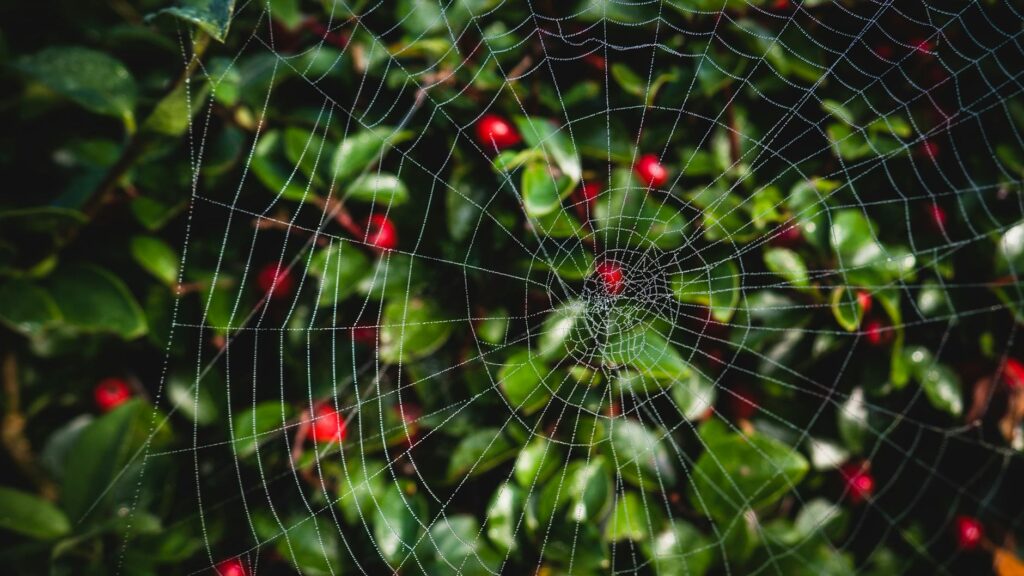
963, 40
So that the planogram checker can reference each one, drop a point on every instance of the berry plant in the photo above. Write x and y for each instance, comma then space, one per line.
481, 287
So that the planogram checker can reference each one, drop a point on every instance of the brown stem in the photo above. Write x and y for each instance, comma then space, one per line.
17, 445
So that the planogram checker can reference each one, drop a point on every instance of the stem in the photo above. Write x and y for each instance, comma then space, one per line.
14, 440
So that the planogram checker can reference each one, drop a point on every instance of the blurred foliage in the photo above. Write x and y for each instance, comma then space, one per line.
828, 276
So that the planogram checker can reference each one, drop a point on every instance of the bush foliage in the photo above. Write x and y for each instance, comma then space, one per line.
736, 294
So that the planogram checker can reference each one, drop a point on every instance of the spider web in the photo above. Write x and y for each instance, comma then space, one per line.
882, 114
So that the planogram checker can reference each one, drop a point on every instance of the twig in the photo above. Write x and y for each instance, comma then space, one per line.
17, 445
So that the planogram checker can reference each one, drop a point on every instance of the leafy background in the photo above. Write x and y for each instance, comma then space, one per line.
827, 298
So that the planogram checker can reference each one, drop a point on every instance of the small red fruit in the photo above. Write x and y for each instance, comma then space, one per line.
328, 425
366, 335
929, 149
788, 237
410, 415
781, 5
864, 301
233, 567
595, 60
590, 191
650, 171
1013, 374
275, 281
922, 45
860, 484
969, 532
611, 277
381, 232
494, 131
111, 393
937, 216
877, 333
742, 403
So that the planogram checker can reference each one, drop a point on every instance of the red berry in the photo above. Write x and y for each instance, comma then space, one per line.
884, 51
864, 301
922, 45
877, 333
410, 415
590, 192
650, 171
233, 567
595, 60
366, 335
742, 403
328, 425
969, 532
937, 216
275, 281
381, 233
781, 5
494, 131
788, 237
611, 277
860, 484
929, 149
111, 393
1013, 374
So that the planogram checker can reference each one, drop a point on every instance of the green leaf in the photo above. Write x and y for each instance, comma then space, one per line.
789, 265
460, 548
310, 544
1010, 252
679, 550
94, 300
523, 380
211, 16
583, 494
268, 170
31, 516
359, 151
561, 328
626, 215
256, 425
628, 80
503, 517
412, 330
26, 307
854, 420
173, 113
95, 464
545, 135
156, 257
537, 462
390, 277
381, 189
629, 519
717, 287
737, 472
941, 384
479, 452
694, 395
646, 351
303, 148
90, 78
196, 403
397, 521
640, 455
361, 486
339, 267
286, 12
845, 308
540, 190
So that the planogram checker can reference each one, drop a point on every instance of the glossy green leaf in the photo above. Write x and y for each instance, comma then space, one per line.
640, 455
940, 383
504, 517
381, 189
744, 472
481, 451
210, 16
174, 112
646, 351
460, 548
92, 79
717, 287
583, 494
527, 382
694, 395
537, 462
31, 516
412, 329
310, 544
361, 486
541, 191
359, 151
789, 265
27, 307
561, 329
397, 522
156, 257
339, 267
257, 425
273, 173
680, 550
545, 135
630, 519
91, 299
1010, 252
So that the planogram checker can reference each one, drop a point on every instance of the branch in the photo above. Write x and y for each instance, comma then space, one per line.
14, 440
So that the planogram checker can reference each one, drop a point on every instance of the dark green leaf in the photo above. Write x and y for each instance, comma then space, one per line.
640, 455
157, 258
211, 16
479, 452
31, 516
398, 521
92, 79
93, 300
527, 382
26, 307
717, 287
412, 329
340, 267
381, 189
680, 550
